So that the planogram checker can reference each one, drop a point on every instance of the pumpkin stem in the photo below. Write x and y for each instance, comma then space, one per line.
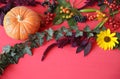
19, 18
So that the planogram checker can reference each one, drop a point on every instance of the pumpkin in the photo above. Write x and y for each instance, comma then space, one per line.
21, 21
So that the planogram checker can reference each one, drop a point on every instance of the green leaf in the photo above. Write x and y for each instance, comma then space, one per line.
87, 29
74, 28
6, 49
48, 37
88, 10
72, 22
102, 23
96, 30
114, 13
17, 57
58, 34
1, 71
57, 10
69, 33
40, 35
90, 35
41, 41
118, 35
50, 32
28, 50
63, 29
13, 54
103, 28
64, 3
58, 20
79, 33
103, 7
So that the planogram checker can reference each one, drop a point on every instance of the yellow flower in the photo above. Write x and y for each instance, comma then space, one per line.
107, 40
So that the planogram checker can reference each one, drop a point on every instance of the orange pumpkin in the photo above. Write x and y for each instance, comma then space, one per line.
20, 21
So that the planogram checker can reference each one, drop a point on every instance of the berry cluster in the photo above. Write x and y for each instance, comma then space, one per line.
67, 14
49, 18
51, 5
100, 15
80, 18
113, 23
91, 17
112, 4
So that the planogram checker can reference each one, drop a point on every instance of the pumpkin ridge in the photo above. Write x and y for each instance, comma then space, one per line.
23, 14
27, 12
26, 28
13, 13
21, 32
14, 29
22, 11
28, 22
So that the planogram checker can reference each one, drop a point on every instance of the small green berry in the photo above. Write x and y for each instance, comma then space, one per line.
63, 16
67, 16
61, 11
61, 7
70, 16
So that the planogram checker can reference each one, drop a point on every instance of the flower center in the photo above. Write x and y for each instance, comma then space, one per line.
107, 39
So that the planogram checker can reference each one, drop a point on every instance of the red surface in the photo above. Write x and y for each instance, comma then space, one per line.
63, 63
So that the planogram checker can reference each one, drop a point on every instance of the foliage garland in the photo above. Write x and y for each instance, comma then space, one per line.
82, 39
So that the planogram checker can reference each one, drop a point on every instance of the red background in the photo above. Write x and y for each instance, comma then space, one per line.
63, 63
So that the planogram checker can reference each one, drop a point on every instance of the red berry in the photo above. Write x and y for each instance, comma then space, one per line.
51, 14
51, 19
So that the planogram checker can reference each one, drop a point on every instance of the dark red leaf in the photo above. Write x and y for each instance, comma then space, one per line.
87, 48
79, 49
7, 7
1, 18
3, 1
82, 45
47, 51
62, 42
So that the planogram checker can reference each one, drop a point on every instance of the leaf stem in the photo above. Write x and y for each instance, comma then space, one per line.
88, 10
115, 12
102, 23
